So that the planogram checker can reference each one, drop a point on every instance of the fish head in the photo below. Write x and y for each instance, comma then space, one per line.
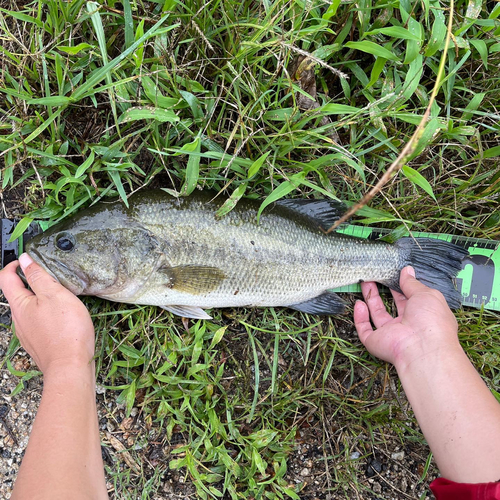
101, 253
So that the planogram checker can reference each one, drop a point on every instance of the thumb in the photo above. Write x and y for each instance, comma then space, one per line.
39, 280
12, 286
409, 284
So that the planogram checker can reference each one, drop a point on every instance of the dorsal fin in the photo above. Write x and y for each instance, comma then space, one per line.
322, 213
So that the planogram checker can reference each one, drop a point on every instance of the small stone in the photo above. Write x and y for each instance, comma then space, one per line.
374, 467
398, 455
377, 488
404, 484
305, 471
99, 389
355, 455
127, 423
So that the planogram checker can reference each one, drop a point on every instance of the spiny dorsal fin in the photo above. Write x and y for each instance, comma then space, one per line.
193, 279
322, 213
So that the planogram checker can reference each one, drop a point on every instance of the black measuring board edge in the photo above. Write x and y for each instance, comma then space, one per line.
10, 250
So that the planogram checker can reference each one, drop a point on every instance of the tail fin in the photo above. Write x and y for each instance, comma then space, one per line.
436, 263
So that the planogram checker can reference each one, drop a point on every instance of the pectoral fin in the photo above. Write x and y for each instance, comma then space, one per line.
188, 312
193, 279
327, 303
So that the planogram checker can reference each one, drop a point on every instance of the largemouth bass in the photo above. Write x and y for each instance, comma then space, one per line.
175, 253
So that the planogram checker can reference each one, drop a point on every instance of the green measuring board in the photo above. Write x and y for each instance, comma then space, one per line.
479, 279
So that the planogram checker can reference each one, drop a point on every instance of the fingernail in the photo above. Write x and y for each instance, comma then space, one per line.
410, 271
25, 260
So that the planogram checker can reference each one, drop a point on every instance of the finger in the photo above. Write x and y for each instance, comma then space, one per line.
362, 320
11, 284
378, 312
409, 284
400, 300
39, 280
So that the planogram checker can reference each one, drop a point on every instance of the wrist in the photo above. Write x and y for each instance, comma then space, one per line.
68, 373
421, 355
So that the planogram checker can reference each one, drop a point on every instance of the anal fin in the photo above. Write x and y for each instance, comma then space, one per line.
327, 303
188, 312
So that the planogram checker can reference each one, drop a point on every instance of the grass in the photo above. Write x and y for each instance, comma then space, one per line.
99, 99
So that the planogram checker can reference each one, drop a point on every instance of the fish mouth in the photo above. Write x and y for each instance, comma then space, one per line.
74, 281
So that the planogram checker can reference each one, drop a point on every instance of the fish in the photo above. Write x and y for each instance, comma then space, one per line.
178, 254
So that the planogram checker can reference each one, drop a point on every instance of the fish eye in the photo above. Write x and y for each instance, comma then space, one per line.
65, 242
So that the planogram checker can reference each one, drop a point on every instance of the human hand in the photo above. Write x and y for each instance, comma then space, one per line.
52, 324
424, 323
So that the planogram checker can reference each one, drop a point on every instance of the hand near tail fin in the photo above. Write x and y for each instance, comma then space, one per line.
424, 321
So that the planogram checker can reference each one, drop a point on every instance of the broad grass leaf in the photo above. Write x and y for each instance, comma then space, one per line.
438, 34
232, 201
23, 17
290, 493
117, 181
130, 397
473, 10
154, 94
395, 32
413, 76
282, 190
59, 72
474, 103
193, 167
257, 164
22, 225
85, 165
418, 179
338, 109
128, 23
373, 48
74, 50
218, 336
427, 136
148, 113
93, 9
55, 100
376, 70
193, 102
130, 352
332, 10
481, 47
412, 46
279, 115
491, 152
259, 462
262, 438
139, 53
